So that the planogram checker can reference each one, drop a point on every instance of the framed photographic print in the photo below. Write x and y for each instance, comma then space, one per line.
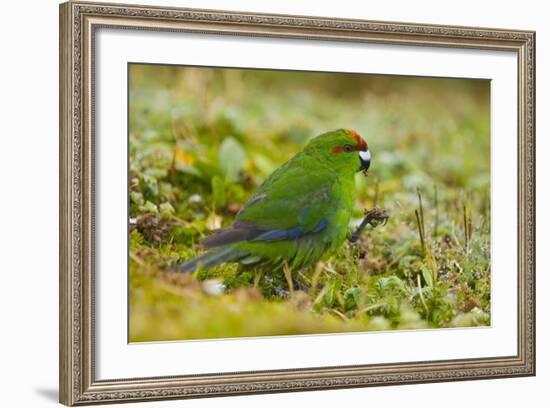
256, 203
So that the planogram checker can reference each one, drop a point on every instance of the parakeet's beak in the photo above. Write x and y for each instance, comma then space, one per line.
364, 156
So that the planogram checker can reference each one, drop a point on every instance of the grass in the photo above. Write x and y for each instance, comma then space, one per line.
201, 141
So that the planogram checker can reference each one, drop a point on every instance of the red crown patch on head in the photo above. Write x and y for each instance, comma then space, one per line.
360, 142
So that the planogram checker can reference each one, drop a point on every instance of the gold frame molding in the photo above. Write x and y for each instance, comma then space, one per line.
78, 24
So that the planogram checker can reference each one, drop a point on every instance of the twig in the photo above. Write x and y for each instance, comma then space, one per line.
320, 295
258, 278
288, 277
464, 216
339, 314
304, 277
436, 203
470, 226
315, 278
137, 259
420, 293
421, 210
370, 307
330, 269
420, 231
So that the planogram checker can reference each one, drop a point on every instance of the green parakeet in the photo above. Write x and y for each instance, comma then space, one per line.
302, 210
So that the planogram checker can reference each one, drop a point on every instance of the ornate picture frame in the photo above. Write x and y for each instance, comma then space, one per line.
78, 24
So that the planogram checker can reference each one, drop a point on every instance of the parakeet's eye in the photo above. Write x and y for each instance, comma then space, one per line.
348, 148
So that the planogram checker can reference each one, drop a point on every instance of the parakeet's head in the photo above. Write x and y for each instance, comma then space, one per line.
343, 149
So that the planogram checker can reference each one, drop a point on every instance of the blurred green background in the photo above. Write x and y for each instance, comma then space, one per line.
202, 139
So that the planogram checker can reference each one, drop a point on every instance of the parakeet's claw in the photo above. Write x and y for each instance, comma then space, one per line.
377, 216
373, 217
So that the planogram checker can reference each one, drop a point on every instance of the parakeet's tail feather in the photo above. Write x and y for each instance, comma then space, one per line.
211, 259
240, 231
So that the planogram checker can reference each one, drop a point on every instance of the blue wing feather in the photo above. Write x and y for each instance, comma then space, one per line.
273, 235
289, 234
321, 226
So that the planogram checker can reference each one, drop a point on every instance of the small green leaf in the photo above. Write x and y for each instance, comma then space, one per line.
328, 298
149, 207
187, 169
391, 282
207, 169
231, 157
352, 298
151, 184
331, 296
136, 197
218, 191
166, 210
427, 275
136, 240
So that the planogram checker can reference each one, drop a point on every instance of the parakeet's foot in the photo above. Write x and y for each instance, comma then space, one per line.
376, 216
373, 217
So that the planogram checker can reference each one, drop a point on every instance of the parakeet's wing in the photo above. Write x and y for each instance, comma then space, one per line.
297, 199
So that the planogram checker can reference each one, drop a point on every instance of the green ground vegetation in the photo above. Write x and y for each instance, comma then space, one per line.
201, 140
